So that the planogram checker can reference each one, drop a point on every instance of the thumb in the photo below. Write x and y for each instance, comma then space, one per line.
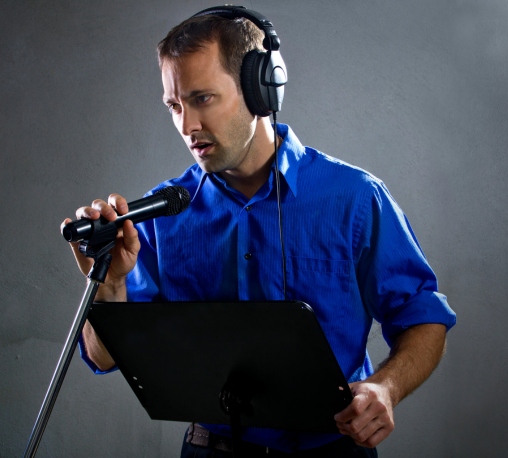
130, 237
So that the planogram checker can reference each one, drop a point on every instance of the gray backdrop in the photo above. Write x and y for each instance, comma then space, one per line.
414, 91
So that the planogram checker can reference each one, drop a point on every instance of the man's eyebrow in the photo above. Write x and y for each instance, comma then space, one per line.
196, 93
190, 95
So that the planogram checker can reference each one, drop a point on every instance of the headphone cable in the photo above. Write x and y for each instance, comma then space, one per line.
279, 206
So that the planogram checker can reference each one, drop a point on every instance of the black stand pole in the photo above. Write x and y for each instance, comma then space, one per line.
96, 276
235, 399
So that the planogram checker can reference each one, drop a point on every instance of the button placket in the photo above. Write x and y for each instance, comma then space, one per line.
248, 255
243, 253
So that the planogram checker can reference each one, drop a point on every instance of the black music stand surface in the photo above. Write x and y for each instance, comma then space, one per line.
183, 360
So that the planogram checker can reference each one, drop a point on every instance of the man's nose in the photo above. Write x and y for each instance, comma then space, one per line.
190, 121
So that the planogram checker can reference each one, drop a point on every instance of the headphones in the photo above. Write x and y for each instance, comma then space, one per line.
263, 74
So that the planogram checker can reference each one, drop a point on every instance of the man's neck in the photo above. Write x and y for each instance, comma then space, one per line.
249, 185
248, 181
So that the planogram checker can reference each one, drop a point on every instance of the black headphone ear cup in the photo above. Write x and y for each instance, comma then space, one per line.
251, 86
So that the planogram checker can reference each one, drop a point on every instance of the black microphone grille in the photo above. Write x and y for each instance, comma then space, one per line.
177, 198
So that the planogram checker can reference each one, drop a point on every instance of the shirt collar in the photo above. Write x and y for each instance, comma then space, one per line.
290, 153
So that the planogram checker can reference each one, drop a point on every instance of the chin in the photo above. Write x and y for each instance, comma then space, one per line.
207, 168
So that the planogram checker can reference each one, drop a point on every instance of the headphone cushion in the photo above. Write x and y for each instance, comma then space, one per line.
251, 86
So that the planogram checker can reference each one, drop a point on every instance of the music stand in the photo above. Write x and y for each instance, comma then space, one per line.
211, 362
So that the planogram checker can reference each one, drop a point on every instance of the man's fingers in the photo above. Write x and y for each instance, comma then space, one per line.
116, 205
127, 243
366, 425
375, 439
65, 222
373, 416
87, 212
106, 210
119, 203
358, 405
371, 435
347, 414
130, 237
369, 417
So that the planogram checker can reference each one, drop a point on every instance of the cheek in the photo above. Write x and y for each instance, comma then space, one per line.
178, 122
217, 114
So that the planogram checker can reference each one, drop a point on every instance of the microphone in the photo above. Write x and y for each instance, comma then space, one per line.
168, 201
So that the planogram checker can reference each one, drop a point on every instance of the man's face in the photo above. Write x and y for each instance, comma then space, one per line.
209, 112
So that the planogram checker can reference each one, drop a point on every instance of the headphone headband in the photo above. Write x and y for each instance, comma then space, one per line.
271, 41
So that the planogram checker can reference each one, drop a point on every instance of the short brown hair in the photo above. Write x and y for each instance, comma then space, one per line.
235, 38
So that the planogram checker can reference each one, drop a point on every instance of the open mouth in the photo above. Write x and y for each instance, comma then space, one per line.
201, 148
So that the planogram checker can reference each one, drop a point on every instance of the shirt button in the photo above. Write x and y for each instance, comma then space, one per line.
247, 256
248, 208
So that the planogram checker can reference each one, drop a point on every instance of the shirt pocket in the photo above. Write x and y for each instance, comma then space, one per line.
324, 284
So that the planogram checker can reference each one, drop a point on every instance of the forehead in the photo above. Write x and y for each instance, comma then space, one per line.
194, 71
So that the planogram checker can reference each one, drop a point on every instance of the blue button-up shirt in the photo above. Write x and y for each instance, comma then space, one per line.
350, 254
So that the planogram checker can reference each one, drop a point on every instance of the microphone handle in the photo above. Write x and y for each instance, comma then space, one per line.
165, 202
139, 210
98, 230
143, 209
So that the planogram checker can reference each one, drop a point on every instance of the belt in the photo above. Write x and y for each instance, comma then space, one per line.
197, 435
201, 437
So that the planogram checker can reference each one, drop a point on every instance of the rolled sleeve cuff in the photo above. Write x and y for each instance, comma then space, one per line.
427, 307
88, 361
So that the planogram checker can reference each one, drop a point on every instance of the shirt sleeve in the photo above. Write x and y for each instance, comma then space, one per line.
143, 281
396, 282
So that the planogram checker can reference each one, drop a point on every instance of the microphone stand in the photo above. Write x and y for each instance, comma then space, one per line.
96, 276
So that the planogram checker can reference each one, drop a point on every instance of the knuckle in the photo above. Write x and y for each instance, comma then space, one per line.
354, 428
118, 202
80, 212
386, 419
380, 408
115, 197
359, 436
355, 409
97, 203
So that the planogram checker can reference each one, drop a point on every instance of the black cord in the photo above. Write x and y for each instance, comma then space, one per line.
279, 206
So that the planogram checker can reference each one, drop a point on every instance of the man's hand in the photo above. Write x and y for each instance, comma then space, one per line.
414, 355
124, 253
369, 417
124, 257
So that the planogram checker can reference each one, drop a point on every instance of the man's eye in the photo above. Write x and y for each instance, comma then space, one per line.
202, 98
174, 108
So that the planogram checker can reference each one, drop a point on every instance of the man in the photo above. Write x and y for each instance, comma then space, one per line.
350, 252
